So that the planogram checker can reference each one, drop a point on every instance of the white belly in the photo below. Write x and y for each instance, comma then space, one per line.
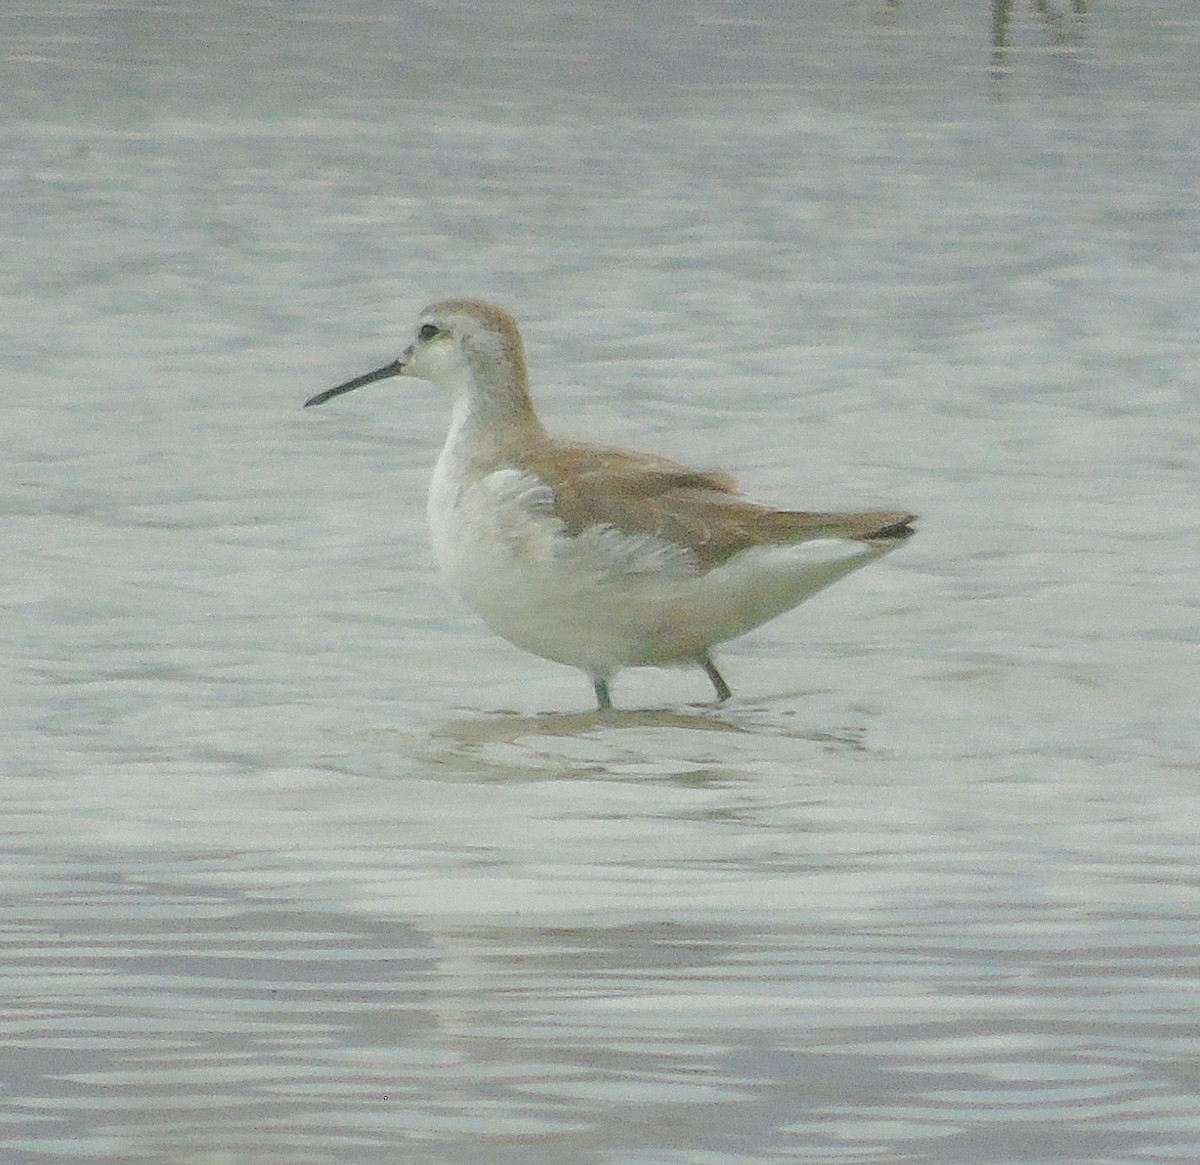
606, 600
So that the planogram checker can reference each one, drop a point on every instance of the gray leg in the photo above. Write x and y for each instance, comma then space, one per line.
603, 699
718, 681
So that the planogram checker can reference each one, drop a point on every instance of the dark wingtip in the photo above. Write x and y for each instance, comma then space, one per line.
897, 530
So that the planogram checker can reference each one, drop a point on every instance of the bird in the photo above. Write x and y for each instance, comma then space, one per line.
598, 557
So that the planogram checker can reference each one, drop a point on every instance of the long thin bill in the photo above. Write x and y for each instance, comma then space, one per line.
392, 369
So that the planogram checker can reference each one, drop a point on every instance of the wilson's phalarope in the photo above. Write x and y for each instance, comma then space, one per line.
596, 557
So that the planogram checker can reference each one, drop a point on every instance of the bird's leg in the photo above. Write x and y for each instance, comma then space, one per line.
603, 699
718, 681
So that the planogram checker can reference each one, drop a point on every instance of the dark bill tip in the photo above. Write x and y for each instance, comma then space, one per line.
392, 369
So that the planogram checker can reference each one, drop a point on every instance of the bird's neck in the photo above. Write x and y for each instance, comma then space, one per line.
489, 421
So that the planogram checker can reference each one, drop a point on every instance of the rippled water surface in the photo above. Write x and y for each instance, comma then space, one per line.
302, 866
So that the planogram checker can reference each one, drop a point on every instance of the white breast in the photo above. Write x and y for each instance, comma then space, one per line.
506, 554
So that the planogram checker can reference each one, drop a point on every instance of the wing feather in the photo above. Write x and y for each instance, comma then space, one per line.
641, 494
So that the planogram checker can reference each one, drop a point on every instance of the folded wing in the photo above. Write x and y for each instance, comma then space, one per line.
703, 512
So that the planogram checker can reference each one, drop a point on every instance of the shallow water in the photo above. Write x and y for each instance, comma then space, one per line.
301, 865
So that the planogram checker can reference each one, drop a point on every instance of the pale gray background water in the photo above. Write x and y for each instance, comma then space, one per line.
301, 866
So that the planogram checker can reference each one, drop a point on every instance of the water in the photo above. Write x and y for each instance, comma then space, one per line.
300, 865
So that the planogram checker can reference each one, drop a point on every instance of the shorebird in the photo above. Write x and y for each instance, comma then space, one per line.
596, 557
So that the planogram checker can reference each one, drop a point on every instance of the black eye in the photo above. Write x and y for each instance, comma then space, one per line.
427, 332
